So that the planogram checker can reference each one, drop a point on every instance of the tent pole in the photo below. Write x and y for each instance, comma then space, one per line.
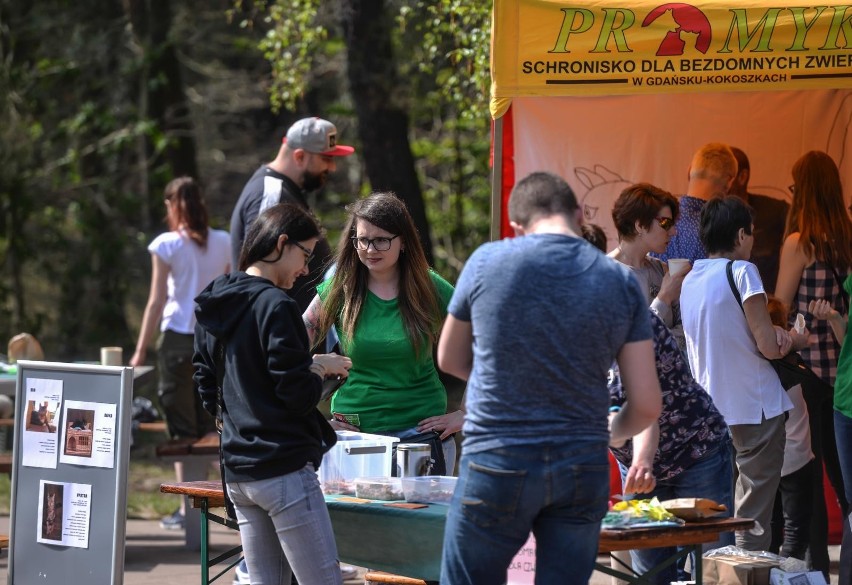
497, 179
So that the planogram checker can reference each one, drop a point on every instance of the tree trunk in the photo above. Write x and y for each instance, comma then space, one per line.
382, 120
163, 97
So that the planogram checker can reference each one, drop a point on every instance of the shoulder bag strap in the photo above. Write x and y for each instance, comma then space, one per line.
729, 270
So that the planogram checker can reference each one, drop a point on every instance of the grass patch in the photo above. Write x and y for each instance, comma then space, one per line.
144, 499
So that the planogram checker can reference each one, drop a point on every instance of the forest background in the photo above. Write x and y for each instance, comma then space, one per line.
102, 102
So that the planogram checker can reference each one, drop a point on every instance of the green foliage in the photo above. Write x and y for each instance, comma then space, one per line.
441, 49
454, 37
291, 40
66, 195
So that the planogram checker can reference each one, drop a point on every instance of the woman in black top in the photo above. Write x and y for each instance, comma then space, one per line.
273, 437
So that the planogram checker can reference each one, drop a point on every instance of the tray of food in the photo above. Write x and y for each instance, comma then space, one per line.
429, 489
379, 488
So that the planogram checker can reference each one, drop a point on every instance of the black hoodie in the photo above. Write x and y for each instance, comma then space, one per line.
271, 424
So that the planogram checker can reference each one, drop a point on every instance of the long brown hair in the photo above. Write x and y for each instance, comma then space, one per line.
190, 212
417, 298
818, 212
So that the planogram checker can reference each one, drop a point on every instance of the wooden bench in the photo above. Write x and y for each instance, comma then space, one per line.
6, 463
380, 577
158, 426
204, 496
196, 456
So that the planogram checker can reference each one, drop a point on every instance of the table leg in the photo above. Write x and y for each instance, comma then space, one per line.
698, 569
205, 542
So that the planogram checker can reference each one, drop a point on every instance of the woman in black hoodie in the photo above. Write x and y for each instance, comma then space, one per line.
273, 437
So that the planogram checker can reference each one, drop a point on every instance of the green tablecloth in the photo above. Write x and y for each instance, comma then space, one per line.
396, 540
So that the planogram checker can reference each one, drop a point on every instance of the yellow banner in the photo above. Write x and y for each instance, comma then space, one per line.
589, 47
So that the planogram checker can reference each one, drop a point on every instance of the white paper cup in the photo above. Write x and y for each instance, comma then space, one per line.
678, 266
111, 356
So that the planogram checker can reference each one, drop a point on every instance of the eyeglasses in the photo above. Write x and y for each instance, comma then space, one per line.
379, 244
308, 254
665, 222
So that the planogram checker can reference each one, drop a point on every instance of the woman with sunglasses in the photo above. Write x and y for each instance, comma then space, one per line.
816, 258
644, 216
387, 307
250, 342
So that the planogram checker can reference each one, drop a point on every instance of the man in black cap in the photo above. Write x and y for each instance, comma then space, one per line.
307, 155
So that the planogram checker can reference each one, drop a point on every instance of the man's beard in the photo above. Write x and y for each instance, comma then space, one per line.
312, 181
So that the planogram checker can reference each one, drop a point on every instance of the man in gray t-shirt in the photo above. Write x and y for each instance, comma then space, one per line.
534, 325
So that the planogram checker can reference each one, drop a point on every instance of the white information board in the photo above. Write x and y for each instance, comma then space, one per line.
69, 474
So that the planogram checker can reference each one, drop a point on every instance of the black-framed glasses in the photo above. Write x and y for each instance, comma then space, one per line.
665, 222
308, 254
379, 244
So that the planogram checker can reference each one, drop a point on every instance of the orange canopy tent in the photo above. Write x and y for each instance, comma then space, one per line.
606, 94
610, 93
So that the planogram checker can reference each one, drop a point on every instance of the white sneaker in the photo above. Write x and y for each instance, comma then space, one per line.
348, 572
241, 576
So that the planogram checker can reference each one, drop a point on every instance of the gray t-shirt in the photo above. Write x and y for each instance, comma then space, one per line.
549, 314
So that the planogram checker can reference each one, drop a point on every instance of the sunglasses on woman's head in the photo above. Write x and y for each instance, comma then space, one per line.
665, 222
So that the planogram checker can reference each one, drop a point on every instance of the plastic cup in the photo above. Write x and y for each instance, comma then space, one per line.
678, 266
111, 356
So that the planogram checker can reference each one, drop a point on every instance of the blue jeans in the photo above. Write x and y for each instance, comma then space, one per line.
285, 529
843, 434
559, 492
710, 477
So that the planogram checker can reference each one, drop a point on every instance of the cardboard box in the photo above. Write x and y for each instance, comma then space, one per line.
736, 570
779, 577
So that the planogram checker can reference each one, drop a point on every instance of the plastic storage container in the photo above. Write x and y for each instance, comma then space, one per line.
379, 488
429, 489
355, 455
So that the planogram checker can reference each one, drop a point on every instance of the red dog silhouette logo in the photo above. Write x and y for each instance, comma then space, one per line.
688, 19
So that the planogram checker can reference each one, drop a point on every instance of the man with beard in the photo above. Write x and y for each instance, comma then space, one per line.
307, 155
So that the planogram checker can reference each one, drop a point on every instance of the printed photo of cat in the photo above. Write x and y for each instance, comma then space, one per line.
40, 417
51, 526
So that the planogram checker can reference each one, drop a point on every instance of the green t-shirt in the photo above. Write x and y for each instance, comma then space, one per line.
843, 380
389, 388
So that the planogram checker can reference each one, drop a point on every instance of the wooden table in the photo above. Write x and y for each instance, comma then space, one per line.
358, 529
689, 537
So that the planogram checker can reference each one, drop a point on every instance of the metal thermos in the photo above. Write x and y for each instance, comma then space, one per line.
413, 459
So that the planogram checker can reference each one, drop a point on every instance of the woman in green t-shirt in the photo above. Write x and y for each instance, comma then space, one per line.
387, 307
